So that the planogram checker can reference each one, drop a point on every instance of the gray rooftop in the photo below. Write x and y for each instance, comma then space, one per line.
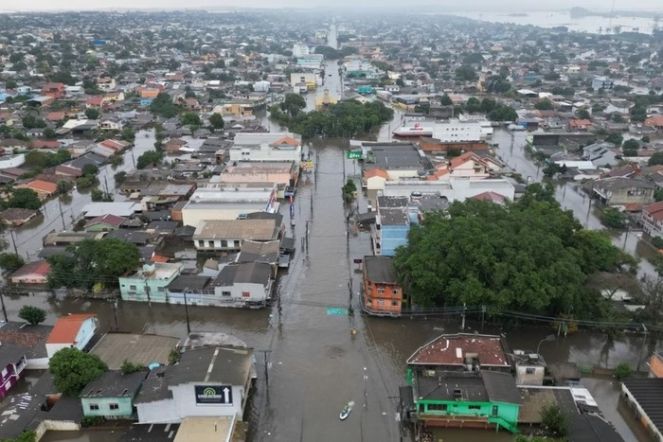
115, 348
114, 384
223, 365
380, 269
399, 157
393, 217
253, 272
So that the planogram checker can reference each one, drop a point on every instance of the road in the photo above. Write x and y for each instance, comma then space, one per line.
60, 213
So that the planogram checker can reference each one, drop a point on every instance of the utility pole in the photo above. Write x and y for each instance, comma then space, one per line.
64, 226
462, 325
106, 186
13, 238
2, 300
483, 314
147, 292
186, 312
117, 326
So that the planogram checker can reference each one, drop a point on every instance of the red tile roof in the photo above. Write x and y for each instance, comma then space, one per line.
109, 219
654, 210
289, 141
376, 171
67, 327
655, 121
452, 350
40, 268
41, 186
490, 196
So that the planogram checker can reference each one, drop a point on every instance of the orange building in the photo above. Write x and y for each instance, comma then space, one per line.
656, 365
383, 296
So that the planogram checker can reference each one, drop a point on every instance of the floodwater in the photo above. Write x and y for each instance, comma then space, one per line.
551, 19
61, 212
511, 151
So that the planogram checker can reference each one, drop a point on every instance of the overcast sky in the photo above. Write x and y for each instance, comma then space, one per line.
467, 5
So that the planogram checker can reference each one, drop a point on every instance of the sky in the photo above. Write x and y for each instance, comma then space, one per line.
450, 5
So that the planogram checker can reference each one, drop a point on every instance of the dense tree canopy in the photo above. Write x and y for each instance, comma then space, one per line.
93, 261
24, 199
32, 315
73, 369
149, 158
163, 106
527, 256
344, 119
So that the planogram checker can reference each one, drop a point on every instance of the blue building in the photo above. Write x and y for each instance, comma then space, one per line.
392, 225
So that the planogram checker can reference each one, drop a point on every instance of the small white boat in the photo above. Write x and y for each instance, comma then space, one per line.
345, 412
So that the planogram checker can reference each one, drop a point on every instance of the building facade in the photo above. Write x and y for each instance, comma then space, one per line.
150, 284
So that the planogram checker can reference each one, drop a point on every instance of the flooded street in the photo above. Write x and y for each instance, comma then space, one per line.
61, 212
512, 152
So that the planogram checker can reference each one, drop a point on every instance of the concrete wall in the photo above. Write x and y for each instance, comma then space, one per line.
193, 216
257, 292
85, 333
125, 407
134, 288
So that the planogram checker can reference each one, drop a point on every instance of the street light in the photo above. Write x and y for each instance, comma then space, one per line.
548, 338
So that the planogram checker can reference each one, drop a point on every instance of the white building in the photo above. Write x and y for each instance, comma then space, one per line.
266, 147
207, 381
300, 50
456, 131
71, 331
7, 161
246, 284
227, 203
228, 235
456, 189
261, 86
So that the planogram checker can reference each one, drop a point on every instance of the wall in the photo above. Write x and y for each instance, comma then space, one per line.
221, 245
265, 153
125, 407
157, 288
507, 412
257, 291
523, 378
86, 332
193, 216
380, 298
656, 367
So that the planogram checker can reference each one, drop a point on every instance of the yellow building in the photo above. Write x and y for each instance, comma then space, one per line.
325, 100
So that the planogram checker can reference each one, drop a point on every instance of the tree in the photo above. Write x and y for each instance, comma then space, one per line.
622, 371
553, 421
216, 121
190, 119
583, 114
445, 100
615, 139
473, 105
293, 104
64, 186
25, 436
32, 121
49, 134
655, 159
93, 261
128, 135
99, 195
73, 369
528, 256
149, 158
630, 148
163, 106
120, 177
24, 199
544, 104
348, 191
498, 84
11, 262
466, 73
92, 113
503, 113
90, 170
32, 315
129, 367
613, 218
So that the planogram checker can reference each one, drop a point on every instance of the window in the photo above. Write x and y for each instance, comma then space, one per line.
132, 288
529, 370
210, 244
474, 407
94, 406
246, 294
113, 406
437, 407
201, 243
161, 289
225, 293
394, 303
224, 243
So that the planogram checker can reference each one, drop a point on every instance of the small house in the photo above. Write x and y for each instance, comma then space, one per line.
244, 285
383, 295
72, 331
112, 395
32, 273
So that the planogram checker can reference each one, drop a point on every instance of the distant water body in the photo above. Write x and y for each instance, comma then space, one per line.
592, 24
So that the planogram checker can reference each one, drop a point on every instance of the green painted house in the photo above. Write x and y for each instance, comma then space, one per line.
463, 380
482, 399
149, 283
112, 395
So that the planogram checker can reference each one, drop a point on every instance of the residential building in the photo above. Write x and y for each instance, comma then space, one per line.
382, 294
122, 208
604, 83
392, 225
260, 146
207, 381
282, 174
140, 349
656, 365
652, 219
244, 285
17, 217
112, 394
104, 223
463, 380
618, 191
32, 273
643, 396
601, 154
236, 111
72, 331
229, 235
530, 368
12, 364
149, 283
44, 189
